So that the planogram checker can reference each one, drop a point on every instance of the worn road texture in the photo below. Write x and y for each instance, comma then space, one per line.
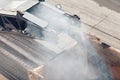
101, 17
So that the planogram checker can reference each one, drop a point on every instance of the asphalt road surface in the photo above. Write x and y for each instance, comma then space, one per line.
101, 17
111, 4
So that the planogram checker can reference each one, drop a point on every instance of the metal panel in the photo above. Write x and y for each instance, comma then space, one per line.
35, 19
64, 42
12, 6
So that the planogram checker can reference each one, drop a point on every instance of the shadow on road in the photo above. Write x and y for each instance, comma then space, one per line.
111, 4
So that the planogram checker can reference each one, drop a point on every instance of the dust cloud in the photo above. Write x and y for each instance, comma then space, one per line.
79, 62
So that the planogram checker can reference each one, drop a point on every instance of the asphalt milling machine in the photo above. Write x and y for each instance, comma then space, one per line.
41, 42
